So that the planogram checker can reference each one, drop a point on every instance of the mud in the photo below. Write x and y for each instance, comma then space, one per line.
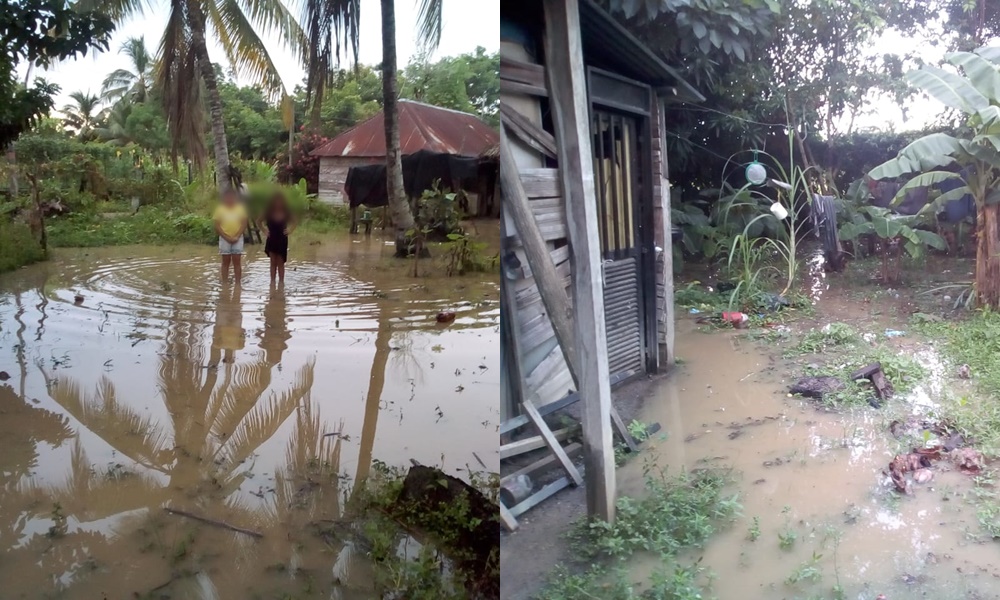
252, 406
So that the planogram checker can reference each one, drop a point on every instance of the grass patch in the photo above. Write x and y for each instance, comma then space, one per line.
976, 342
821, 340
18, 247
675, 513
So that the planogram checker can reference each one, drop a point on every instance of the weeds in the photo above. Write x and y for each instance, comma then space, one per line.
808, 571
820, 340
17, 246
753, 533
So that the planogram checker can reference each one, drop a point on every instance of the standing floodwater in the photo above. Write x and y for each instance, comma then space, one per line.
165, 388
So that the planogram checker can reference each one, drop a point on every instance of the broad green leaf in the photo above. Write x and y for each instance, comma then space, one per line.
949, 88
913, 249
981, 73
929, 238
886, 228
930, 151
993, 197
939, 203
991, 53
923, 180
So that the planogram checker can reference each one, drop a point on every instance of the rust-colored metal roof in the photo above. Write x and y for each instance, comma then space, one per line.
421, 127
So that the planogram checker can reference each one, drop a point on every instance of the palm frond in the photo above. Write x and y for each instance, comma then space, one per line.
429, 24
332, 27
178, 78
244, 48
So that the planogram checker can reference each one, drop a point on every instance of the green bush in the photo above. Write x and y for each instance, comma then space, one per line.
18, 247
151, 225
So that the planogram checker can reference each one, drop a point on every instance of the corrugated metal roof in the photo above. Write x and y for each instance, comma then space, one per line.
421, 127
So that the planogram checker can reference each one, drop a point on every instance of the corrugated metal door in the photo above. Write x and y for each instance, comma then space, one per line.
617, 172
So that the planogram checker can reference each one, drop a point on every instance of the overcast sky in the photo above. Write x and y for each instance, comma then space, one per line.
467, 24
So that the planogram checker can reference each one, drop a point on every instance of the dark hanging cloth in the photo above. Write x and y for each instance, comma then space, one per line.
367, 185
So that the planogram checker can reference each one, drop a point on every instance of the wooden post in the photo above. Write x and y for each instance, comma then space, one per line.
571, 118
667, 353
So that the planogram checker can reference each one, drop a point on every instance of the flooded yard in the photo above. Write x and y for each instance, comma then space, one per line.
135, 382
819, 518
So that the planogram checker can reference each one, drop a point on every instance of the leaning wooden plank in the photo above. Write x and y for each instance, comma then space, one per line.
513, 87
584, 348
508, 520
522, 420
548, 282
540, 183
552, 443
542, 464
528, 132
533, 443
539, 496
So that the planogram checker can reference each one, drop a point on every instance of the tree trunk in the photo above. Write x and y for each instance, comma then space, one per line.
219, 143
988, 256
399, 205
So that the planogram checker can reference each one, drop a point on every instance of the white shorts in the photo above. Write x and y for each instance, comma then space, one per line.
225, 248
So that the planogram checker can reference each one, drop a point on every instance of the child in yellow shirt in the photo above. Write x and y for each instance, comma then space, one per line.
230, 222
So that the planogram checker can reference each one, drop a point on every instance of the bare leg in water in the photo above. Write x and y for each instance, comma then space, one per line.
237, 268
224, 270
274, 267
281, 270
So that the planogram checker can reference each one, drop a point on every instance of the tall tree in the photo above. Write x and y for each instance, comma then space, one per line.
333, 27
136, 81
25, 27
184, 68
84, 115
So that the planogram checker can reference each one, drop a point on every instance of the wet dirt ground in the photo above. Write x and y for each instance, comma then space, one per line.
163, 388
805, 474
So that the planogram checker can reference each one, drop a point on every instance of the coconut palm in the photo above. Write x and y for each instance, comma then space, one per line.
133, 83
184, 68
333, 27
84, 114
973, 161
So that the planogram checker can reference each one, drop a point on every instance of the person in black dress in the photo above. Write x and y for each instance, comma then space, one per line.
277, 224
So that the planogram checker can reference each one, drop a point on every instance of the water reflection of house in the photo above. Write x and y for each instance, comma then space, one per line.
450, 134
581, 104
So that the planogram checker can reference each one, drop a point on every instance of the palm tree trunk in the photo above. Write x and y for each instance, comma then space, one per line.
219, 143
399, 206
988, 255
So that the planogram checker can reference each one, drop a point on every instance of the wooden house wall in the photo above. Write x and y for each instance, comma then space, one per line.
333, 175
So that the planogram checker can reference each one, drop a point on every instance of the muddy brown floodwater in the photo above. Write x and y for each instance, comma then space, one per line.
165, 389
812, 475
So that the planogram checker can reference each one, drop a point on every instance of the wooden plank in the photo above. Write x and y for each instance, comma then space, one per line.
543, 464
522, 72
588, 358
522, 420
508, 520
540, 183
528, 132
541, 495
667, 270
552, 443
513, 87
508, 312
532, 443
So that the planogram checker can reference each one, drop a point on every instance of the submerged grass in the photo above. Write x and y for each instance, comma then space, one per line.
18, 247
676, 513
975, 342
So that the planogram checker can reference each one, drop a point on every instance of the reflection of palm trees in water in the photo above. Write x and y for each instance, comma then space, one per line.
220, 412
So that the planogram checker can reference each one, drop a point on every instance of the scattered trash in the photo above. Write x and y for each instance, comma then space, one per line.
923, 475
694, 311
946, 298
4, 375
874, 374
816, 387
969, 460
964, 372
738, 319
445, 317
775, 301
891, 333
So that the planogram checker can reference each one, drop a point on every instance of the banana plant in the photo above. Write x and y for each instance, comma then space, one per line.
973, 88
887, 226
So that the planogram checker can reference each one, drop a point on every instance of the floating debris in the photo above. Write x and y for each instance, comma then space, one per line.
4, 375
445, 317
78, 299
817, 387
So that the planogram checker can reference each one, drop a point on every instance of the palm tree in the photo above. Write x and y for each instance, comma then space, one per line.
338, 20
134, 83
84, 115
183, 67
112, 130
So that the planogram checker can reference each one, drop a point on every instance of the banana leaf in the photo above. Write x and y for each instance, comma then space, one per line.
981, 73
949, 88
931, 151
923, 180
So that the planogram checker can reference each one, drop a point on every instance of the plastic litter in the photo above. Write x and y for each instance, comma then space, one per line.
891, 333
694, 311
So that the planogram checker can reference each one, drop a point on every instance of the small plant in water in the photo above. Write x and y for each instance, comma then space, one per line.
59, 527
807, 571
754, 532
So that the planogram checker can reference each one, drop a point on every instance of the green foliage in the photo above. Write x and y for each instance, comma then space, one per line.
887, 226
466, 255
974, 341
468, 82
437, 211
27, 27
753, 533
151, 225
17, 246
676, 513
